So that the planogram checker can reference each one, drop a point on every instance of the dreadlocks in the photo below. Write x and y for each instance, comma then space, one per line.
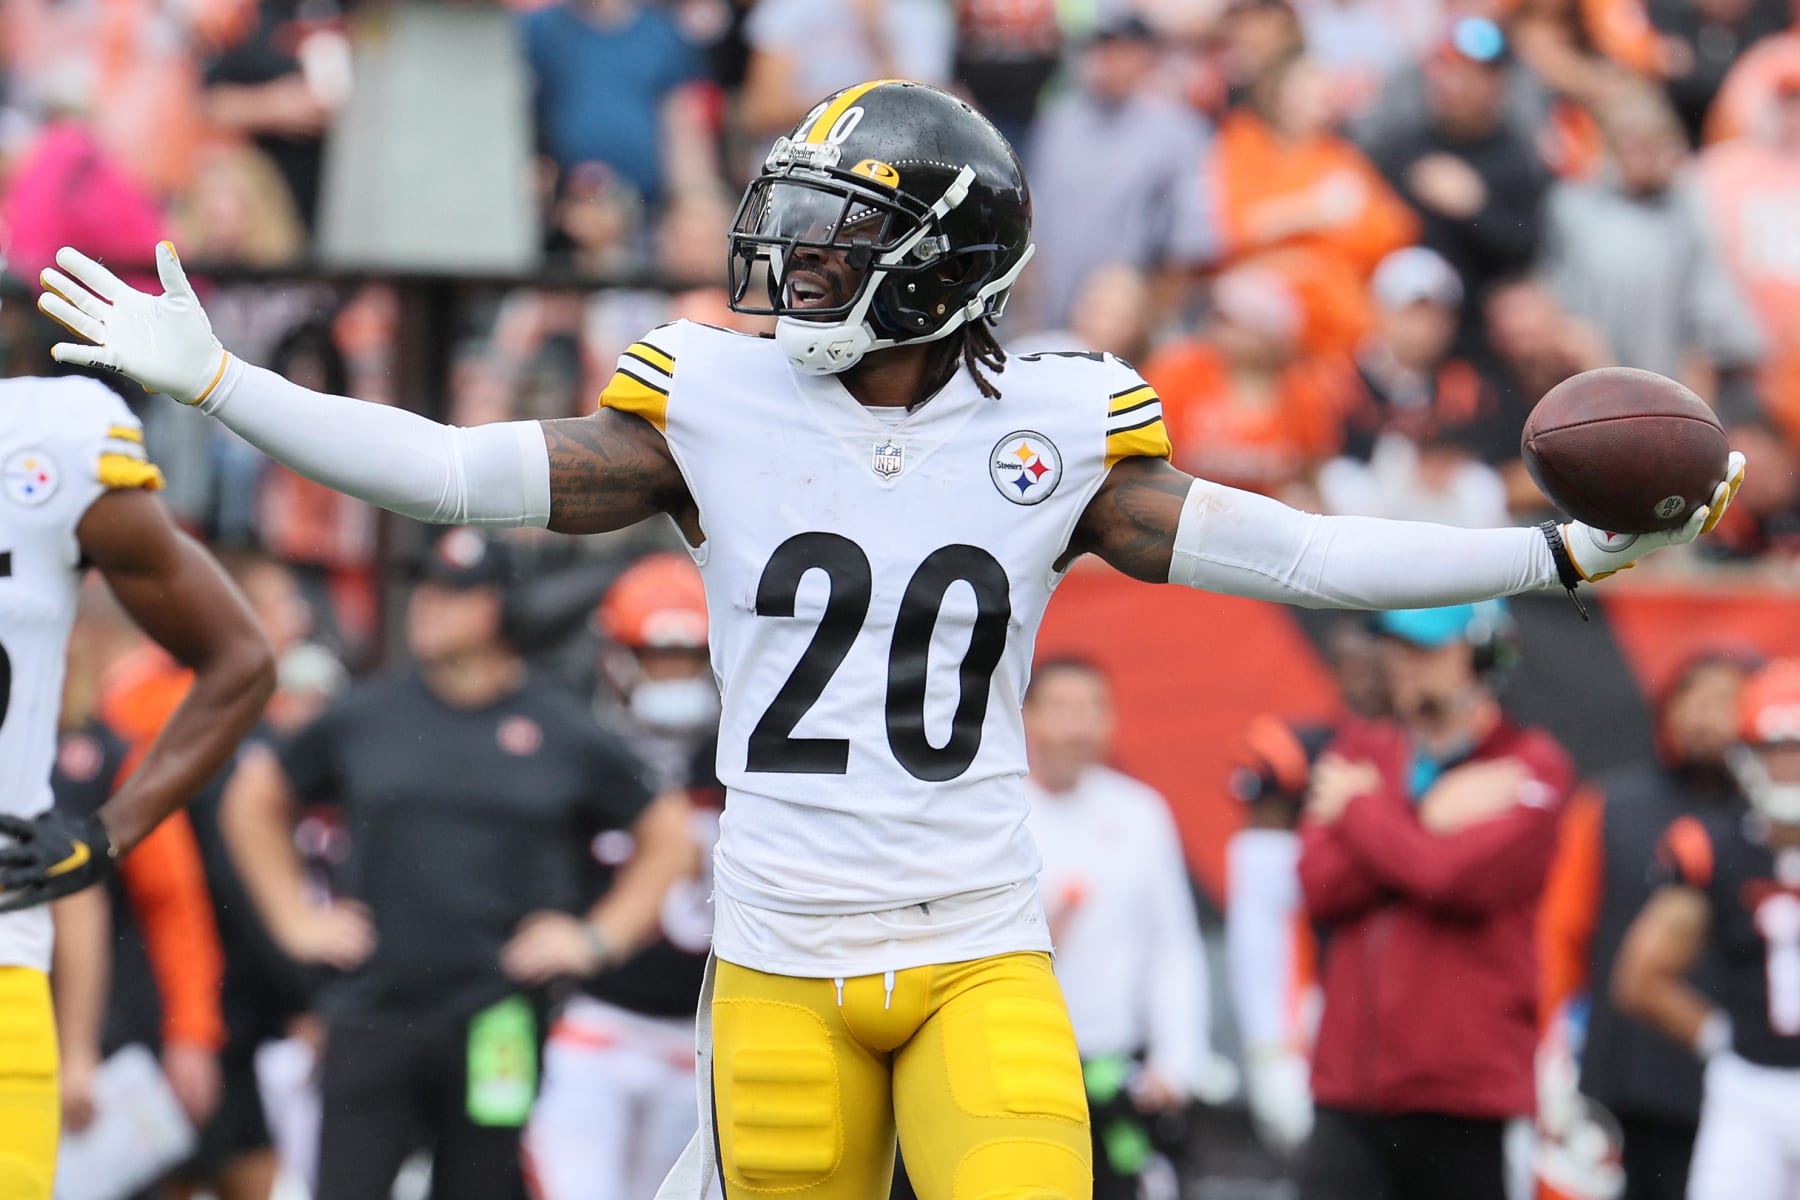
980, 348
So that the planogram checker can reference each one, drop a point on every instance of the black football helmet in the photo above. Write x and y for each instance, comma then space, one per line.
911, 189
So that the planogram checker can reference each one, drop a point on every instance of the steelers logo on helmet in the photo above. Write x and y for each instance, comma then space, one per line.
30, 477
1025, 467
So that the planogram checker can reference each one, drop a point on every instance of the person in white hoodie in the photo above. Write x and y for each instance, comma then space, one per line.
1129, 955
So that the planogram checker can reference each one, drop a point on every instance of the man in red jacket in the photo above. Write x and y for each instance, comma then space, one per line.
1425, 847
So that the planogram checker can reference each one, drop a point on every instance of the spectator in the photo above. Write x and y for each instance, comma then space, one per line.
1244, 406
1600, 880
614, 83
1769, 525
1475, 180
618, 1100
1121, 910
280, 81
1255, 37
1113, 145
1359, 43
1727, 889
1419, 422
67, 190
238, 212
1532, 346
1752, 187
469, 788
1291, 189
1425, 847
1269, 947
1752, 85
801, 50
1675, 312
1112, 314
1701, 42
1006, 51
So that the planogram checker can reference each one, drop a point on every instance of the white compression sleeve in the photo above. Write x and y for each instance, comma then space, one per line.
483, 475
1243, 544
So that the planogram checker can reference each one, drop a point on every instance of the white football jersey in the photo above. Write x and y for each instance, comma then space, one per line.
875, 590
63, 442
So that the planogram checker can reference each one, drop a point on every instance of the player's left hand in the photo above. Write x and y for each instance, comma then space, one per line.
1597, 553
51, 856
164, 342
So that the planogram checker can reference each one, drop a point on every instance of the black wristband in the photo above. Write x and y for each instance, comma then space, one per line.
1566, 572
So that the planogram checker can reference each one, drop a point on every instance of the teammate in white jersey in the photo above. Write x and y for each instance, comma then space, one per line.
880, 518
75, 490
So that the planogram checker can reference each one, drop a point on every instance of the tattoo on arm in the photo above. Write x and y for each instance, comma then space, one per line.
1130, 523
611, 469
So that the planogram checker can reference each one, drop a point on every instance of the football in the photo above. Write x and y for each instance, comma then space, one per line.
1624, 450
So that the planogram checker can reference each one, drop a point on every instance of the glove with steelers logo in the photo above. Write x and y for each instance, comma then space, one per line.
51, 856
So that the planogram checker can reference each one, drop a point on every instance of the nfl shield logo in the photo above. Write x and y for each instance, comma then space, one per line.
889, 458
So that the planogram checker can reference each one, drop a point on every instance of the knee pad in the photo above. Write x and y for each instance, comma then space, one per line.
779, 1116
1024, 1169
1015, 1056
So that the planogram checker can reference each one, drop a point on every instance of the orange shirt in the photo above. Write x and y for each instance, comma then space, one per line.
1749, 88
1220, 437
1260, 179
164, 876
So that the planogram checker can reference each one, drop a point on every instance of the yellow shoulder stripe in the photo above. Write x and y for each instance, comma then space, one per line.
821, 128
127, 471
1131, 398
645, 352
1146, 441
628, 393
126, 433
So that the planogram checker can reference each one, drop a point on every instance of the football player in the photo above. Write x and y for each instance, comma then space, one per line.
75, 491
1733, 881
881, 504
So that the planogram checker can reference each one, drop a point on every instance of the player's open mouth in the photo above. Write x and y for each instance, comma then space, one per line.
808, 289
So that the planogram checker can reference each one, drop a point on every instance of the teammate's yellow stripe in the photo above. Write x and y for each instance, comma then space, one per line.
127, 471
1152, 441
1134, 396
653, 356
633, 396
821, 128
125, 433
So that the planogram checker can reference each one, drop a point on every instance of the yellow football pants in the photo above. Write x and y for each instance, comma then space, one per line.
973, 1063
30, 1106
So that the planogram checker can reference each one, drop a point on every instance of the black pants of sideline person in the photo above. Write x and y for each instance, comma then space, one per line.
389, 1088
1656, 1158
1407, 1156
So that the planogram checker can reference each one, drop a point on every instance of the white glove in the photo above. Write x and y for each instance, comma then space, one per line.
164, 342
1278, 1086
1597, 554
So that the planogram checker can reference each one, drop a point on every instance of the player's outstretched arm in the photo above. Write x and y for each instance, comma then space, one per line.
594, 474
1159, 524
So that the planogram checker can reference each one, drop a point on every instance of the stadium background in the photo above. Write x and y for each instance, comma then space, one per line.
470, 210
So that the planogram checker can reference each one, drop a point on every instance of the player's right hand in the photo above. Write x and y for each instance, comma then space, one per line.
164, 342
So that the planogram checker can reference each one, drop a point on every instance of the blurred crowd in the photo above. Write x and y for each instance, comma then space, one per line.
1350, 242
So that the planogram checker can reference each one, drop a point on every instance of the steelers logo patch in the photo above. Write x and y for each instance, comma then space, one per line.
30, 478
1025, 466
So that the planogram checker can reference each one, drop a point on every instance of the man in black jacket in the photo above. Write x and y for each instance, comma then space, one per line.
1475, 180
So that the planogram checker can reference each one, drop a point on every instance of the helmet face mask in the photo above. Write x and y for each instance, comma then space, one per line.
893, 214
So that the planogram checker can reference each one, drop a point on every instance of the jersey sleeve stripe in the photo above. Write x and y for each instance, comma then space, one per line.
126, 433
645, 353
647, 378
1149, 440
627, 393
1154, 419
1146, 402
1119, 401
125, 471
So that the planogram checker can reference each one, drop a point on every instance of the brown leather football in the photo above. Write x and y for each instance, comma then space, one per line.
1624, 450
